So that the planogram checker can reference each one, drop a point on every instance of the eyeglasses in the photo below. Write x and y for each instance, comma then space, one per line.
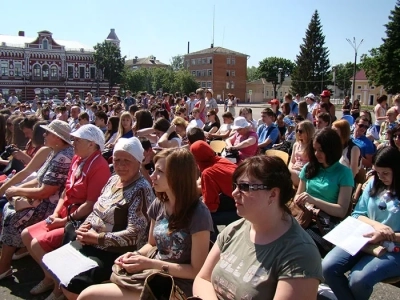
245, 187
299, 131
363, 126
396, 136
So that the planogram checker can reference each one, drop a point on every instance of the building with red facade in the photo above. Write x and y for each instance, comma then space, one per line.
221, 69
48, 67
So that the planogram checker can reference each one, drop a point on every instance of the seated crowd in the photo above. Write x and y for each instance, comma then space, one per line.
143, 184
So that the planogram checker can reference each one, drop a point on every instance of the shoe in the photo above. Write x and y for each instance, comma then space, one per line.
42, 287
52, 296
19, 256
6, 274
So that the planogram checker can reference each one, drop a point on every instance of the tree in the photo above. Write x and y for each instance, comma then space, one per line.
274, 70
184, 82
107, 57
177, 62
344, 76
252, 73
381, 67
312, 63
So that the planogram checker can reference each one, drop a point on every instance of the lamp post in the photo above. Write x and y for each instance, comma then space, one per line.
354, 45
334, 80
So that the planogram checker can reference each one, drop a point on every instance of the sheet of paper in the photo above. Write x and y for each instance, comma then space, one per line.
348, 235
67, 262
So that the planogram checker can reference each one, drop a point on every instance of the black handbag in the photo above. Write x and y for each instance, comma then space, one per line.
71, 226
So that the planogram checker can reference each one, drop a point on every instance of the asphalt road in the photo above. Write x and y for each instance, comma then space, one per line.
27, 273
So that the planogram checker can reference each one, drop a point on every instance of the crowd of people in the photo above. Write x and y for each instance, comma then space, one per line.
143, 183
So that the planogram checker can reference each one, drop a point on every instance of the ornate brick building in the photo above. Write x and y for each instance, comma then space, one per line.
48, 67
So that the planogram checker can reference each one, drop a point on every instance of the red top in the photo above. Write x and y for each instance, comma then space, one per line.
216, 174
247, 151
85, 185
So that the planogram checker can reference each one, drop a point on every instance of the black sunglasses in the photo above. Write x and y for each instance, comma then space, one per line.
299, 131
363, 126
245, 187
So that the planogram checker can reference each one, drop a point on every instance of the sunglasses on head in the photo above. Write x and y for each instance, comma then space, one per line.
245, 187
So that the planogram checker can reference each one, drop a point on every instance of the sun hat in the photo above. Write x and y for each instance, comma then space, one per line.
310, 95
240, 122
60, 129
132, 145
91, 133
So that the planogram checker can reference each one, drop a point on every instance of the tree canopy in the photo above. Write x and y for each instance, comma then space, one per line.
312, 63
107, 57
381, 65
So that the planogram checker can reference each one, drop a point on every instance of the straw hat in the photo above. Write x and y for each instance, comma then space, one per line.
60, 129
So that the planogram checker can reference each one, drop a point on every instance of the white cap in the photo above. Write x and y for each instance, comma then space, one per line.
310, 95
240, 122
132, 145
91, 133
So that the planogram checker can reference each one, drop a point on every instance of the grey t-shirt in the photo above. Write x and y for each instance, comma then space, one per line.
250, 271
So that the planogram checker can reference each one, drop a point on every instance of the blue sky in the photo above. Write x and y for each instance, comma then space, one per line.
259, 28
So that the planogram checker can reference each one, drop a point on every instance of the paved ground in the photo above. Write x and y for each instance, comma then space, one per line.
28, 274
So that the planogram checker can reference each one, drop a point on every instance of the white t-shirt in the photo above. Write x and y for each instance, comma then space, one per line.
194, 123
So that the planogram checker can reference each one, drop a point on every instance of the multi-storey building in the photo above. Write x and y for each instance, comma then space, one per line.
48, 67
221, 69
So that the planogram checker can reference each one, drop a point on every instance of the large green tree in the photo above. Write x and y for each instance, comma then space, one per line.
275, 70
107, 57
177, 62
382, 65
252, 73
312, 63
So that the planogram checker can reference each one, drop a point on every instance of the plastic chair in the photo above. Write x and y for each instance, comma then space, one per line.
281, 154
349, 119
217, 146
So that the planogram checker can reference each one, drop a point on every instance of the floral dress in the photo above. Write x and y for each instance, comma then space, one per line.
53, 172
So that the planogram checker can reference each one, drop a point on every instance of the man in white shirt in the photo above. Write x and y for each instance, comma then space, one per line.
311, 104
297, 98
191, 103
13, 99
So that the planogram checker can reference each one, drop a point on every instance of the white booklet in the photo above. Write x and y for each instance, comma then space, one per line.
67, 262
348, 235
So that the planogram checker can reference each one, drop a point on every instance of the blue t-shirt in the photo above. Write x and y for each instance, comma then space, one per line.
263, 134
365, 145
128, 135
367, 206
326, 185
294, 108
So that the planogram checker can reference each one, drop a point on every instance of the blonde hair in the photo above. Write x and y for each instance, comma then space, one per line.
120, 128
179, 121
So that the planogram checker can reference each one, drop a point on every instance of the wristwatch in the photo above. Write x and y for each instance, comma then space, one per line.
165, 269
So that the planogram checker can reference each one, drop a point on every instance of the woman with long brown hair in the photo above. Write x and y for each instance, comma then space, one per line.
180, 228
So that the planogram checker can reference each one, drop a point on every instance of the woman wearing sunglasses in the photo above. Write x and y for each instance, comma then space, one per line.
325, 184
266, 254
395, 138
304, 134
379, 207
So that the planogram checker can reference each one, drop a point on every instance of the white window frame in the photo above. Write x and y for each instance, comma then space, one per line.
209, 85
193, 62
51, 72
6, 68
204, 61
209, 60
194, 73
228, 60
203, 84
209, 72
73, 71
232, 84
233, 61
17, 65
84, 72
90, 72
233, 73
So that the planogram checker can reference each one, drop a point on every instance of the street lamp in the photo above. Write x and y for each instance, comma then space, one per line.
334, 80
354, 45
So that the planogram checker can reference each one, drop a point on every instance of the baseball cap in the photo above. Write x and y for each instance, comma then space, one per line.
132, 145
91, 133
274, 102
325, 93
240, 122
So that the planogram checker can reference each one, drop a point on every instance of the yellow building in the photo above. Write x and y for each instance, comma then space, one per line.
367, 93
262, 91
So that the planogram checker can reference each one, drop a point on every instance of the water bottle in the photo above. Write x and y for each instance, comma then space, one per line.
386, 197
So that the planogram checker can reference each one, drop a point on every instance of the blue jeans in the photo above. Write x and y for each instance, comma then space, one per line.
365, 271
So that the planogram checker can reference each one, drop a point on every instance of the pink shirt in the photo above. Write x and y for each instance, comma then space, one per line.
249, 150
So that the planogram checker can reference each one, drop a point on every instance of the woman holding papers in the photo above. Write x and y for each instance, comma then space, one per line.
379, 207
325, 184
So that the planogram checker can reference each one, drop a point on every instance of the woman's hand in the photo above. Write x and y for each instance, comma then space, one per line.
376, 237
55, 222
11, 192
86, 236
304, 198
385, 231
136, 263
171, 129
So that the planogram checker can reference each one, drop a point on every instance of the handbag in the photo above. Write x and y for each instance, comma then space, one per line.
21, 203
161, 286
135, 282
302, 214
71, 226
